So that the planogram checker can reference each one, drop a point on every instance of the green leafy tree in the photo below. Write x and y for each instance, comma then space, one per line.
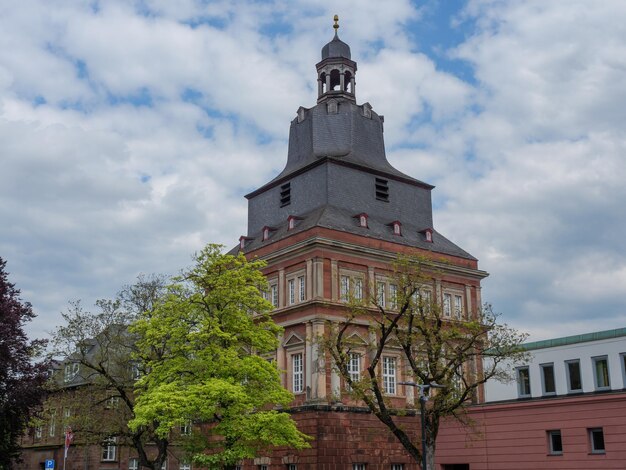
459, 355
206, 340
21, 379
99, 366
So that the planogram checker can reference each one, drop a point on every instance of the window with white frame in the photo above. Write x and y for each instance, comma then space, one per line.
185, 428
135, 371
112, 402
133, 464
596, 440
555, 442
422, 299
380, 293
263, 467
393, 296
354, 366
52, 424
601, 372
38, 432
622, 358
389, 375
109, 449
67, 412
297, 373
274, 293
447, 305
358, 466
350, 286
397, 466
291, 289
292, 466
184, 466
523, 381
547, 379
71, 371
458, 306
164, 466
296, 288
574, 379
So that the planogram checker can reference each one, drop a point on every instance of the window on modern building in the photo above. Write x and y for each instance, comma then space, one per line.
574, 380
601, 372
358, 466
382, 190
523, 381
622, 358
285, 194
71, 371
555, 443
52, 424
184, 466
447, 305
133, 464
596, 440
354, 366
109, 449
389, 375
547, 379
397, 466
297, 373
458, 306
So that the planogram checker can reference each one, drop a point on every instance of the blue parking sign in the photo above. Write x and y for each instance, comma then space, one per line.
50, 463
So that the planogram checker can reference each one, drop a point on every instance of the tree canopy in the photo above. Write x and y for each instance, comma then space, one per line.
435, 349
207, 341
21, 379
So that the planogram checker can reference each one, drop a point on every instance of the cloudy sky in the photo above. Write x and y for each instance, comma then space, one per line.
130, 131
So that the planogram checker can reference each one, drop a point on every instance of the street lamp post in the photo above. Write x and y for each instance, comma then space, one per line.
423, 397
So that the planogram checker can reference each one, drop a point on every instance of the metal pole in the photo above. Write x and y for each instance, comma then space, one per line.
422, 408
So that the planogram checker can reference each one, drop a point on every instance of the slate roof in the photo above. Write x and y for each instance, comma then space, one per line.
335, 218
336, 48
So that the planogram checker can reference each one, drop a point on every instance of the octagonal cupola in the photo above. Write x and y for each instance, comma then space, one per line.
336, 71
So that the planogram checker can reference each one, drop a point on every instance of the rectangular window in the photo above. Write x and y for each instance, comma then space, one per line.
523, 381
67, 412
71, 371
389, 375
301, 289
358, 466
135, 371
601, 372
397, 466
393, 296
185, 429
133, 464
345, 288
274, 294
291, 288
112, 402
574, 380
623, 361
447, 305
354, 367
185, 466
555, 443
292, 466
297, 369
458, 307
596, 440
52, 424
547, 379
380, 293
382, 190
358, 289
38, 432
109, 449
263, 467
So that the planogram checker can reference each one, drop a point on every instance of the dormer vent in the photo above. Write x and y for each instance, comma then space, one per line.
428, 234
242, 241
397, 227
285, 194
382, 190
267, 231
362, 219
291, 222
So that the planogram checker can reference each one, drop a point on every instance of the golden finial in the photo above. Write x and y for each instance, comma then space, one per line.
336, 25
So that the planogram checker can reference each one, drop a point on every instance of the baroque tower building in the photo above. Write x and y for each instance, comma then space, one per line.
331, 223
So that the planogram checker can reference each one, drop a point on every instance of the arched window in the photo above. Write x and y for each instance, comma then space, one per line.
335, 80
347, 82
